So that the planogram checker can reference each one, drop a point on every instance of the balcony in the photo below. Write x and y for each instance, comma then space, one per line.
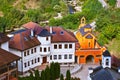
44, 53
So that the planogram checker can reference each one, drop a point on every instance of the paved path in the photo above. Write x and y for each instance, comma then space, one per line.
83, 73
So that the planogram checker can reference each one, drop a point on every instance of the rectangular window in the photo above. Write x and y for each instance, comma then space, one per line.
25, 53
51, 57
40, 49
25, 64
32, 62
35, 50
35, 61
59, 57
55, 46
65, 56
31, 51
70, 46
28, 52
48, 48
55, 56
70, 56
28, 63
60, 46
47, 39
66, 46
38, 59
45, 50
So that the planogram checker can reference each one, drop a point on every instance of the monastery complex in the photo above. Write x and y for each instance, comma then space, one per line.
34, 45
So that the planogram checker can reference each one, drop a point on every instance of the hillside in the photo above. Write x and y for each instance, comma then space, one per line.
14, 13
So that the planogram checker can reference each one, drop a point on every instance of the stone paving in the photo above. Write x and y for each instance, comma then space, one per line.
82, 74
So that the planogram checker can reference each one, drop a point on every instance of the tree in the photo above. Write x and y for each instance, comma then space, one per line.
61, 77
43, 75
68, 75
52, 71
47, 73
37, 75
57, 70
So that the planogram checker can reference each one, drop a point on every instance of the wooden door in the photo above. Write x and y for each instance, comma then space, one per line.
44, 59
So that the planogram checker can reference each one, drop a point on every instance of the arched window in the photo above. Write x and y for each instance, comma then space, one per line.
107, 62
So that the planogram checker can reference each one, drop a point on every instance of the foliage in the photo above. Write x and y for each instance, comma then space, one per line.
108, 25
71, 21
68, 75
16, 15
52, 73
112, 2
61, 77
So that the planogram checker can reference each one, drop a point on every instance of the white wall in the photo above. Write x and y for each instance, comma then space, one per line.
62, 52
16, 52
43, 40
104, 62
25, 59
5, 46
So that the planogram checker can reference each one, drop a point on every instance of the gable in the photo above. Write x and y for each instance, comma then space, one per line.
89, 36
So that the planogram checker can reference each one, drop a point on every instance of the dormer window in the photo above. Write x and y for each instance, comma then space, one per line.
53, 32
61, 32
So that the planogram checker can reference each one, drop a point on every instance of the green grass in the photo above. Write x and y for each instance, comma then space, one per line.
114, 47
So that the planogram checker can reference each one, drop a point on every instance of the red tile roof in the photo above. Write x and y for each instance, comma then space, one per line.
3, 38
34, 26
61, 35
23, 41
7, 57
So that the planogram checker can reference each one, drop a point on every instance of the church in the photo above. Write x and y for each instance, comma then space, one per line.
87, 48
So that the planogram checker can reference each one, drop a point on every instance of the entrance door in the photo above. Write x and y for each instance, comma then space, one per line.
90, 59
44, 59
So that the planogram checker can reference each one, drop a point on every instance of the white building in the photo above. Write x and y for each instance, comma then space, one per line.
62, 45
36, 45
4, 42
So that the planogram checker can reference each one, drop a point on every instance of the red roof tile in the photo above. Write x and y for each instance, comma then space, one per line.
3, 38
61, 35
7, 57
23, 41
34, 26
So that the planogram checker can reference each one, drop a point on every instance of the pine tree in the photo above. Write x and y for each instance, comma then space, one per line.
57, 69
52, 71
61, 77
68, 75
47, 73
37, 75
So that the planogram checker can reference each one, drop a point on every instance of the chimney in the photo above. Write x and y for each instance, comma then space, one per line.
90, 70
32, 32
51, 29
